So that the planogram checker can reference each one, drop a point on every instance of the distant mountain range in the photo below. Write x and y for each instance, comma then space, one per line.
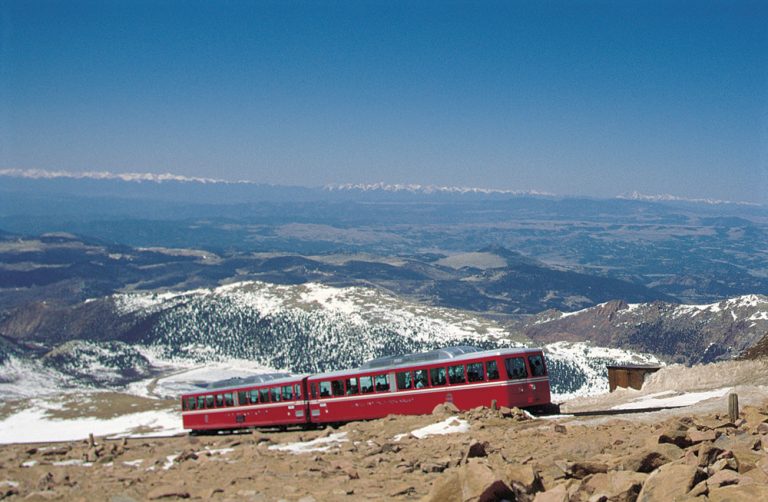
63, 268
105, 278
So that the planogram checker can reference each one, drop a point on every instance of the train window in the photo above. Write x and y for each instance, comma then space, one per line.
264, 395
437, 376
337, 387
297, 391
183, 404
201, 402
366, 384
352, 387
492, 370
209, 401
404, 380
313, 390
382, 383
242, 397
537, 365
475, 372
456, 374
287, 392
515, 368
254, 396
325, 389
420, 377
219, 400
229, 399
192, 403
274, 394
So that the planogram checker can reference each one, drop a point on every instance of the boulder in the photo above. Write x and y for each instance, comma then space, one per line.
669, 482
614, 486
696, 436
168, 491
474, 481
739, 493
477, 449
446, 488
479, 483
648, 459
707, 454
445, 409
729, 463
524, 480
581, 470
676, 437
557, 494
723, 478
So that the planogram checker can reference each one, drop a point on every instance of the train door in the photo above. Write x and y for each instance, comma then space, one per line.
301, 411
313, 400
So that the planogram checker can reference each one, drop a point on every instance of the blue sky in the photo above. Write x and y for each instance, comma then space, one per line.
580, 98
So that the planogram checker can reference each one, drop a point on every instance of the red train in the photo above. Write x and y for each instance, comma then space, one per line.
407, 385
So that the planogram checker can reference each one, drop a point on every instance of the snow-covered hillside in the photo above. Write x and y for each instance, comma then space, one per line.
297, 328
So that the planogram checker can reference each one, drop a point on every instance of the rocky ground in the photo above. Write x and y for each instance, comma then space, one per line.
499, 455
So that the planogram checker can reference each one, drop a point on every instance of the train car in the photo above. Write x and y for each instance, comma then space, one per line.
258, 401
416, 383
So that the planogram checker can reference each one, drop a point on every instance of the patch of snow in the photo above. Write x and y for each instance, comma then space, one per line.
319, 444
73, 461
133, 463
29, 463
685, 399
450, 425
12, 484
35, 425
169, 461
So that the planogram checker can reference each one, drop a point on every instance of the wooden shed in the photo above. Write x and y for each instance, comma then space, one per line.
629, 375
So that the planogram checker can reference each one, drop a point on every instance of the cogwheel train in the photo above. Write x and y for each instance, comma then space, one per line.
405, 385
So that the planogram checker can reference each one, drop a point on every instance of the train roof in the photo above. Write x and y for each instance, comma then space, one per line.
240, 382
458, 353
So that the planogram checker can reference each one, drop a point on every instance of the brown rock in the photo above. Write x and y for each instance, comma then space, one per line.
696, 436
477, 449
614, 486
46, 482
560, 429
676, 437
185, 455
648, 460
479, 483
723, 478
400, 490
446, 488
739, 493
669, 482
730, 463
581, 470
707, 454
445, 409
168, 491
557, 494
755, 475
524, 480
700, 489
436, 466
